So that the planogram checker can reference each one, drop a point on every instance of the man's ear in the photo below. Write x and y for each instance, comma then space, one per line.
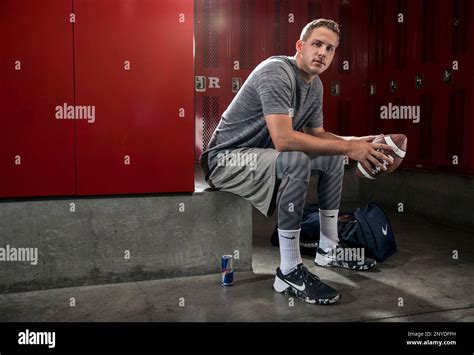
299, 45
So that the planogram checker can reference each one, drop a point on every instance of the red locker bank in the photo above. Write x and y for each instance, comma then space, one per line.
37, 151
97, 97
392, 52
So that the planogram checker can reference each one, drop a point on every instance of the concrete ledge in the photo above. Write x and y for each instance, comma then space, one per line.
89, 246
443, 198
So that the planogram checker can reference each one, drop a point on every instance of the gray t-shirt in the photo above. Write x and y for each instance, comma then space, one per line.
269, 89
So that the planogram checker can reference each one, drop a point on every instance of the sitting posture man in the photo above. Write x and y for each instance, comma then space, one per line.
258, 149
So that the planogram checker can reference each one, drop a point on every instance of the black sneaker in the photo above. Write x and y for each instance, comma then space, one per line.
306, 286
345, 257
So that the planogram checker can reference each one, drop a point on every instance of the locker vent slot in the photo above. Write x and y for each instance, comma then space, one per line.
314, 10
210, 118
456, 123
343, 116
379, 16
247, 34
460, 27
401, 36
345, 21
211, 31
426, 127
280, 29
428, 30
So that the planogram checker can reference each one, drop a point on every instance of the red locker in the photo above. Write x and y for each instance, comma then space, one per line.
247, 39
375, 66
36, 71
454, 97
284, 24
399, 77
212, 67
423, 137
314, 9
134, 64
345, 83
393, 48
433, 34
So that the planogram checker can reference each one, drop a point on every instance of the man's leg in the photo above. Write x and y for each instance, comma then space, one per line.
331, 172
293, 170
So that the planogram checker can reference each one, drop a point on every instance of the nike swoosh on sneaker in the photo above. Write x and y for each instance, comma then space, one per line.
298, 287
384, 231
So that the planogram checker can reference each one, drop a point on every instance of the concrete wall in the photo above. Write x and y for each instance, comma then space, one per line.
89, 246
442, 198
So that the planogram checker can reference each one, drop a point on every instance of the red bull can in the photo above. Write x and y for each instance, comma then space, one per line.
227, 269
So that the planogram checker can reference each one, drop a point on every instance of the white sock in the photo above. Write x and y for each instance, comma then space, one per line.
290, 255
328, 237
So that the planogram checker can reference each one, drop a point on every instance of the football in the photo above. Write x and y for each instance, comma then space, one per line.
399, 144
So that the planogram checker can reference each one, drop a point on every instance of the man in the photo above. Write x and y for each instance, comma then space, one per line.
258, 149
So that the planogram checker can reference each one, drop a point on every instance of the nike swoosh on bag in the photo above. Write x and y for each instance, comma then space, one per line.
384, 231
299, 288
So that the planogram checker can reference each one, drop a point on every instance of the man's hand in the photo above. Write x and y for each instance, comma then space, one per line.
363, 151
365, 138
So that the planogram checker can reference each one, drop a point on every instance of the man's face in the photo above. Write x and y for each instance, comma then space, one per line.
317, 52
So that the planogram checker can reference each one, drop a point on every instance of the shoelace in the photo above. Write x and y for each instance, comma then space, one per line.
308, 276
343, 244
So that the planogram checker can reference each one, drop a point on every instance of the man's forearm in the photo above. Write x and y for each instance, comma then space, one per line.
324, 144
328, 135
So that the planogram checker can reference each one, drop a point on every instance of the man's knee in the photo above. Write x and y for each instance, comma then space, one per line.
295, 163
328, 164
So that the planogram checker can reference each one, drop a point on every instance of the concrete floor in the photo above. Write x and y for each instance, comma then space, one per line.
434, 287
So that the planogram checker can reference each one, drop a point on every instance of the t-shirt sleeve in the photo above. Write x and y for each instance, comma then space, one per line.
273, 85
316, 119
